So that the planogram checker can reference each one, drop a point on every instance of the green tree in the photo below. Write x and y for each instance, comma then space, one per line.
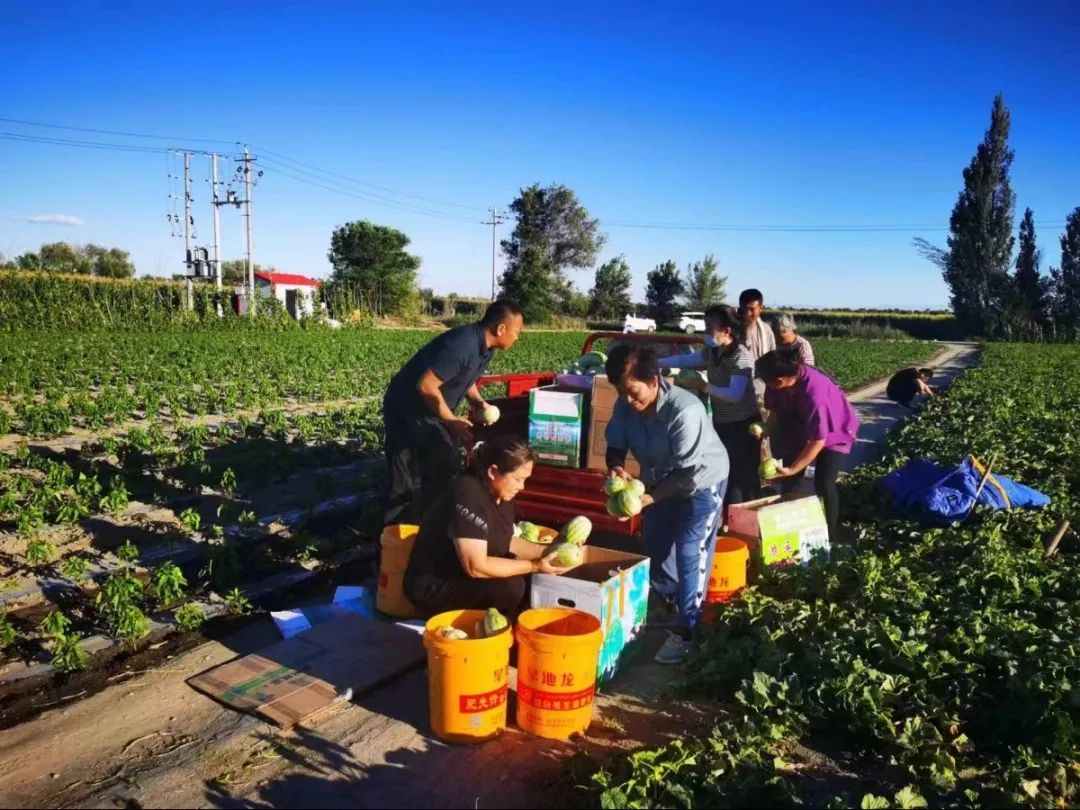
111, 262
1066, 284
980, 232
704, 285
609, 298
662, 292
372, 267
553, 234
28, 261
234, 271
60, 257
1030, 288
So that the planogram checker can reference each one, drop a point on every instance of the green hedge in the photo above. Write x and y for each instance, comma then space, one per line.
32, 300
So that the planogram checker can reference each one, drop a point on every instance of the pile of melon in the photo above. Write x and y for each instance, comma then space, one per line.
624, 496
492, 624
590, 364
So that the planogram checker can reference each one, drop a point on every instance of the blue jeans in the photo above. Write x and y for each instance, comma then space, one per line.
680, 538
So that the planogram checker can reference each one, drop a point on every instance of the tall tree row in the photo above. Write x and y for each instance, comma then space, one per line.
981, 232
985, 297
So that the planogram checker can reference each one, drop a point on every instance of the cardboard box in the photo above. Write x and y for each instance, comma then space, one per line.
611, 585
788, 528
555, 423
295, 679
601, 409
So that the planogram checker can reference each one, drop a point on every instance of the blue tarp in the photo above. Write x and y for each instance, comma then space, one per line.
936, 495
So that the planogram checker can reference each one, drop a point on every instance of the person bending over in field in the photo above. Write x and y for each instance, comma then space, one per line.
909, 383
811, 421
423, 433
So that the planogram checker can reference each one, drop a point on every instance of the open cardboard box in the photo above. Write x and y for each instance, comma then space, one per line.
785, 529
611, 585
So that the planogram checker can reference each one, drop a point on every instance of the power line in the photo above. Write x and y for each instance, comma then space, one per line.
113, 132
349, 192
114, 147
371, 185
117, 147
789, 228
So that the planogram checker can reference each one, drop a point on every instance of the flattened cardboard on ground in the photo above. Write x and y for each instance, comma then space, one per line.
294, 679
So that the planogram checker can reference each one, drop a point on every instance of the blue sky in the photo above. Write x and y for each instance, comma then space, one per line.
804, 114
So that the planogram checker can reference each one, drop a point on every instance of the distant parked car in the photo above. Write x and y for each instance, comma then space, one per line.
691, 322
634, 324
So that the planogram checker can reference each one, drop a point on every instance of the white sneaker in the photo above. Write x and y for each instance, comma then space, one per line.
675, 650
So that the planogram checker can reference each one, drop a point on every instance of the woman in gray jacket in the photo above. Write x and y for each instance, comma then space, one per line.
684, 468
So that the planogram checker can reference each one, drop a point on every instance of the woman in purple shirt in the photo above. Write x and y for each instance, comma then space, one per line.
810, 422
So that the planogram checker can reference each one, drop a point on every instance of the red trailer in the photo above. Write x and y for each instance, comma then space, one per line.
553, 495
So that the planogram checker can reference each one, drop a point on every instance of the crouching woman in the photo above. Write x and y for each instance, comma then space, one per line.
462, 558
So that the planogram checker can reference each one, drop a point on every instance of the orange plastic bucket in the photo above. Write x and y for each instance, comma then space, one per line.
468, 680
396, 546
728, 575
558, 650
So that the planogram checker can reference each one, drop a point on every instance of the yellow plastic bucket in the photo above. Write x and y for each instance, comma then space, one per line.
396, 546
728, 575
558, 650
468, 680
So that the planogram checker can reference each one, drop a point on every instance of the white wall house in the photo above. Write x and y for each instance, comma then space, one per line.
295, 292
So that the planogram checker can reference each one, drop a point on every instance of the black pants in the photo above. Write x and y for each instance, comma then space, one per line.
422, 459
509, 595
826, 471
744, 456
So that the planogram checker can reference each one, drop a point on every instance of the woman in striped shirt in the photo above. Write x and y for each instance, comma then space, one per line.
729, 369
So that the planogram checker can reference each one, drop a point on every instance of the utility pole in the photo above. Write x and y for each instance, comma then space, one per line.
187, 231
217, 223
496, 219
248, 238
215, 265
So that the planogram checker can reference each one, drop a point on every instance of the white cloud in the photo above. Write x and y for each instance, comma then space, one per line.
53, 219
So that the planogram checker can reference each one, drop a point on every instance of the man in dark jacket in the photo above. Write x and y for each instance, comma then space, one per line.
424, 434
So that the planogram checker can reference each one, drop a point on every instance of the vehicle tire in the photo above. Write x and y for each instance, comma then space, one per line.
689, 329
650, 329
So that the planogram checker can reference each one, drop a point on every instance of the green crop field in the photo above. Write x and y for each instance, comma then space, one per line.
184, 439
938, 665
54, 382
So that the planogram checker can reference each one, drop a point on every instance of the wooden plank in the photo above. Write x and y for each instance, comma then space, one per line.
294, 679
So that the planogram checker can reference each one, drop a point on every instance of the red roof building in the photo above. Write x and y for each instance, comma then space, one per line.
286, 279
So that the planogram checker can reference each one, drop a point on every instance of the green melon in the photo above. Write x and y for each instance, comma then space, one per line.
636, 487
613, 484
568, 555
626, 503
529, 531
494, 622
490, 414
768, 468
451, 633
577, 530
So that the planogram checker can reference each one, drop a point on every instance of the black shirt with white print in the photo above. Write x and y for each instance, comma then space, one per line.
466, 510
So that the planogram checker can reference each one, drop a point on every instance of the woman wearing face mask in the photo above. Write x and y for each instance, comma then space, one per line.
729, 368
811, 421
462, 559
684, 468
